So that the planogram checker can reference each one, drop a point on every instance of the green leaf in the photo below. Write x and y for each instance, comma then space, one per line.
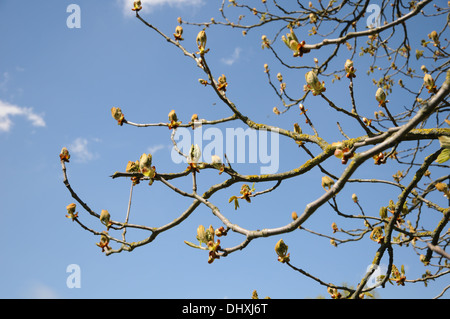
236, 203
444, 156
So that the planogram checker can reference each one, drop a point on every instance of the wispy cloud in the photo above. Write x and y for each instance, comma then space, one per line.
38, 290
233, 58
8, 110
148, 5
4, 81
153, 149
80, 151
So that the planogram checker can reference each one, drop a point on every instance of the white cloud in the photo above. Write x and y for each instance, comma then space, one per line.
233, 58
147, 5
79, 149
8, 110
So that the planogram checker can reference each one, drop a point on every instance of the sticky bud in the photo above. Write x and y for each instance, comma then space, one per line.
64, 155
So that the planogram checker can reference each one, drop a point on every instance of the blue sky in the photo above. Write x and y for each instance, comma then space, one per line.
57, 86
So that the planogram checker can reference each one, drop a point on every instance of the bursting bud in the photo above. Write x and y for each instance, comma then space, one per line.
145, 165
280, 77
383, 212
335, 294
64, 155
137, 6
294, 44
313, 84
215, 159
380, 96
265, 42
105, 218
201, 234
216, 162
173, 120
194, 121
424, 260
281, 249
173, 116
201, 42
424, 69
71, 211
104, 241
132, 167
117, 114
434, 37
194, 154
350, 69
429, 83
327, 182
334, 227
222, 83
355, 198
178, 33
